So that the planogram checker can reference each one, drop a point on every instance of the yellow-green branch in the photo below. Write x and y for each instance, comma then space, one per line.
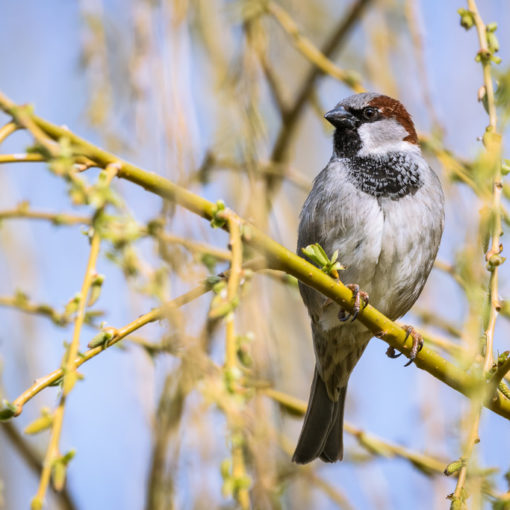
280, 258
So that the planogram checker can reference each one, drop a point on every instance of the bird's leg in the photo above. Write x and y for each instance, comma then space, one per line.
415, 348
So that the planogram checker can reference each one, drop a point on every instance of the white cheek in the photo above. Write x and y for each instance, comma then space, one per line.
383, 136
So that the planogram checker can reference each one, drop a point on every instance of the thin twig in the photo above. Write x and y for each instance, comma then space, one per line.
333, 43
311, 52
234, 279
22, 157
34, 462
20, 302
70, 375
154, 315
412, 16
56, 218
502, 371
369, 442
493, 146
7, 129
195, 246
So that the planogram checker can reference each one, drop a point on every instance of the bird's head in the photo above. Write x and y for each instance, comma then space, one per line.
371, 124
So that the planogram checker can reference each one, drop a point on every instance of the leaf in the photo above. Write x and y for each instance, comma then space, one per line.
45, 421
95, 288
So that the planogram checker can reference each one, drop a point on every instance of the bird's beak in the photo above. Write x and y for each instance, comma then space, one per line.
341, 118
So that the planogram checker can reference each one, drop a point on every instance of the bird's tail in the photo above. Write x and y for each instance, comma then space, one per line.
321, 435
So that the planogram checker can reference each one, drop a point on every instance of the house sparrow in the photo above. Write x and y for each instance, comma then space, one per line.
382, 207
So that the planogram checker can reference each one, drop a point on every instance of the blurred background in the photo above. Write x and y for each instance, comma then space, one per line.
216, 96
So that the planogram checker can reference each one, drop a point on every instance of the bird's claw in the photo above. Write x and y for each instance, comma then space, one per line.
417, 345
343, 316
358, 295
390, 352
415, 348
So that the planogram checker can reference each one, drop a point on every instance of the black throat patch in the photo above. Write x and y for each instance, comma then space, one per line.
394, 175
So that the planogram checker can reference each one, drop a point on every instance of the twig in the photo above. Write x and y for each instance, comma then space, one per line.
21, 158
412, 16
501, 373
234, 278
23, 117
368, 441
154, 315
56, 218
265, 169
20, 301
289, 125
449, 269
310, 51
492, 143
34, 462
7, 129
70, 375
433, 319
195, 246
256, 38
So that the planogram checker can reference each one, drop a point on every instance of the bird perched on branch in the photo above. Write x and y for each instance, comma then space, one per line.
382, 207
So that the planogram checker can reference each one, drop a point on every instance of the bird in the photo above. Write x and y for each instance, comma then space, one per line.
380, 206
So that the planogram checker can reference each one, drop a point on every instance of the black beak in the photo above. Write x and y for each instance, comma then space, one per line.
341, 118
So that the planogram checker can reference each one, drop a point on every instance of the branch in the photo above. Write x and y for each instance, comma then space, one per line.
69, 369
20, 302
7, 130
108, 341
194, 246
278, 257
294, 112
369, 442
492, 142
34, 462
21, 158
314, 55
22, 211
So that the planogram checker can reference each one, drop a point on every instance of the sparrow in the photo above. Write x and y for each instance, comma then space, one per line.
381, 206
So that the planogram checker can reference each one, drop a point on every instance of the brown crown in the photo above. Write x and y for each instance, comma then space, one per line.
392, 108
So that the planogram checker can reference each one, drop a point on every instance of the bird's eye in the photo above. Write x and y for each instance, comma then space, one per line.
370, 113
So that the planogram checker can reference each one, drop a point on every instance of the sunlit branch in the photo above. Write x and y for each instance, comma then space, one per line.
282, 259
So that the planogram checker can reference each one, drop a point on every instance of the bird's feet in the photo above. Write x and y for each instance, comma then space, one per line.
415, 348
358, 295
